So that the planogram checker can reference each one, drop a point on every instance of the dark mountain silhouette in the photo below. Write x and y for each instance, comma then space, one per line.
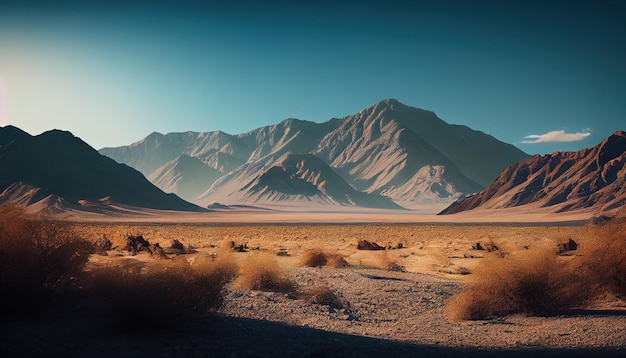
406, 154
592, 177
59, 164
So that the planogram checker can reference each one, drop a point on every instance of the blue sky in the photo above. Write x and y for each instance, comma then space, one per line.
112, 72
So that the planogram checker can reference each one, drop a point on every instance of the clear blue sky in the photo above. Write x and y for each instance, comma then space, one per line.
112, 72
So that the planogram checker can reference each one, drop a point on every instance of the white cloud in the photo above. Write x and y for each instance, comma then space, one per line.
556, 136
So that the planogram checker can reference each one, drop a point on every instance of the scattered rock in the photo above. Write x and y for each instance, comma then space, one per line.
239, 248
135, 244
570, 245
597, 220
488, 246
398, 246
367, 245
158, 252
177, 247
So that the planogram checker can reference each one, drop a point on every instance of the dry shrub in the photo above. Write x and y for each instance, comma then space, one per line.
260, 271
39, 259
318, 258
604, 257
161, 295
314, 258
395, 267
323, 295
336, 261
532, 282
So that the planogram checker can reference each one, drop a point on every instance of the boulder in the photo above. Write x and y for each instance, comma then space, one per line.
367, 245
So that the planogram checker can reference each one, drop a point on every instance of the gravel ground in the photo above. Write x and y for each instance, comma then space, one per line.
408, 307
383, 313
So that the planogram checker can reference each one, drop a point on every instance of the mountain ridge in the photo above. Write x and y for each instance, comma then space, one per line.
378, 150
63, 165
591, 177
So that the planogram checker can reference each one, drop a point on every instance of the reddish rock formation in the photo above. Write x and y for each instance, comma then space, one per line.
592, 177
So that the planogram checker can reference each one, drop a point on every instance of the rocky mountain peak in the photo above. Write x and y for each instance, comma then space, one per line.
381, 150
611, 147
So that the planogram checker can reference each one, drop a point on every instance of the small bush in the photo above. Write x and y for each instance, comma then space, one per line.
38, 260
531, 282
261, 272
314, 258
604, 257
102, 245
317, 258
323, 295
162, 295
395, 267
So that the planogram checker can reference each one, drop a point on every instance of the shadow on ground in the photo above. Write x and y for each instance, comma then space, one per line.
219, 336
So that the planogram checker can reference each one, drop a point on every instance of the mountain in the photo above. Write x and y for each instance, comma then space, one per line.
592, 177
186, 176
406, 154
61, 168
292, 178
412, 137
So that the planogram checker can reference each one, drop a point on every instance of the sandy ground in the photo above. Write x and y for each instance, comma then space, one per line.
530, 213
385, 312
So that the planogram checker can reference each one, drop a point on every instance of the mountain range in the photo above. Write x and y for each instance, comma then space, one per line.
57, 171
592, 177
388, 155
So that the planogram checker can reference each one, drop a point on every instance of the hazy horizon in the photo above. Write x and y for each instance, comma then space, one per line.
545, 76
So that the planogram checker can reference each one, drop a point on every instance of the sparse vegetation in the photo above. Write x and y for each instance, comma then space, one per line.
102, 245
260, 271
141, 295
38, 260
532, 282
318, 258
539, 282
604, 257
323, 295
161, 295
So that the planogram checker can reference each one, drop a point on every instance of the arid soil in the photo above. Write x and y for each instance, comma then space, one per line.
389, 303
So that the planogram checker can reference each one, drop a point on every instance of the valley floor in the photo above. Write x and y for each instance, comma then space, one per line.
392, 300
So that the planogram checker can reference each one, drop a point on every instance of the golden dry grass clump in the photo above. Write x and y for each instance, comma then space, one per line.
538, 282
162, 294
260, 271
604, 257
532, 282
318, 258
323, 295
39, 259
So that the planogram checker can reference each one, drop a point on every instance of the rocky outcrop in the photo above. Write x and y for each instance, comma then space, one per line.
592, 177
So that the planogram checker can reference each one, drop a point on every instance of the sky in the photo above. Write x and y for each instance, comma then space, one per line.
543, 75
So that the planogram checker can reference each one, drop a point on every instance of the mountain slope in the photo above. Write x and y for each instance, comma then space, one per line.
592, 177
67, 167
154, 151
351, 147
295, 178
389, 149
184, 176
376, 152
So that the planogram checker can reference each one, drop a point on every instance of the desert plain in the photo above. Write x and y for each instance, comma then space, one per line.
392, 302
